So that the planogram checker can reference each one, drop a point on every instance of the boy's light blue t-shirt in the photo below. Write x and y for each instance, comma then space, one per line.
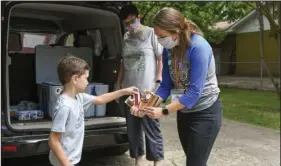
68, 119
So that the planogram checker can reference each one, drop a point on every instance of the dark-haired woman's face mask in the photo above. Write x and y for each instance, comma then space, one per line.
132, 25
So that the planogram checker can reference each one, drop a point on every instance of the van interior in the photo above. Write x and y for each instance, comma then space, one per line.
39, 35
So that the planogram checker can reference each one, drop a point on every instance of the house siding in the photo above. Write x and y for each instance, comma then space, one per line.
248, 50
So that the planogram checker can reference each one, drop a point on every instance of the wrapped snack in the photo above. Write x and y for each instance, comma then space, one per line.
148, 99
140, 101
130, 101
136, 111
133, 100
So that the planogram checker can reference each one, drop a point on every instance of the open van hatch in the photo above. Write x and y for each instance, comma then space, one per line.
64, 25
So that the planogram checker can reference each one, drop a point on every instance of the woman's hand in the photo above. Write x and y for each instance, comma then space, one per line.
136, 111
153, 112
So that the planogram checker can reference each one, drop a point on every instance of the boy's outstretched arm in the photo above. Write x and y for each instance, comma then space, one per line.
55, 146
108, 97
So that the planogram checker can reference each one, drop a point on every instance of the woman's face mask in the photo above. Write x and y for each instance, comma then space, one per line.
133, 25
168, 42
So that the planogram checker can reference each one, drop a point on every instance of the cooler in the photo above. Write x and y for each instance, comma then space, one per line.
48, 94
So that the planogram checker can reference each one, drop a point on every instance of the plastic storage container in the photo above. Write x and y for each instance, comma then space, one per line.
101, 109
91, 89
48, 94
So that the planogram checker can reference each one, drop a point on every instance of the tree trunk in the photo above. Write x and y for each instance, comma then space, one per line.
262, 50
279, 22
261, 42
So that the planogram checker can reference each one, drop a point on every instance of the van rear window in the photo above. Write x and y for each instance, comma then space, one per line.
31, 40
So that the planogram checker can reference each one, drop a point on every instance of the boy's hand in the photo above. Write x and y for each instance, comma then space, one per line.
108, 97
54, 143
130, 91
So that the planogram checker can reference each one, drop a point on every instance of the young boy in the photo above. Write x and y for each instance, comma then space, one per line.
67, 133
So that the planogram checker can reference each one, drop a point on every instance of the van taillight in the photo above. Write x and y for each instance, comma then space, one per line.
10, 148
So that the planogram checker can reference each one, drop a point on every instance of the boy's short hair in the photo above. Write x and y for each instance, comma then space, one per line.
69, 66
126, 10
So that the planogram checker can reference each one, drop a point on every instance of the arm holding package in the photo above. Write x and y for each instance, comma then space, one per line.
166, 85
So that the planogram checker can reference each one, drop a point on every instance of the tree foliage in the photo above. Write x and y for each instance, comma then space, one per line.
271, 10
204, 14
207, 14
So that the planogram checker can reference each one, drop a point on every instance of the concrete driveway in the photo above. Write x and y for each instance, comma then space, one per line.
238, 144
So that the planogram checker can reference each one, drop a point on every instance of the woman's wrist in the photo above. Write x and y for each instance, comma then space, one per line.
174, 106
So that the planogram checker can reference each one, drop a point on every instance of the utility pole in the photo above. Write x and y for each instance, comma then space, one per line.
279, 21
260, 15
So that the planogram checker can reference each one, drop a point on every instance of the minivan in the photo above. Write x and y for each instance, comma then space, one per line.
27, 26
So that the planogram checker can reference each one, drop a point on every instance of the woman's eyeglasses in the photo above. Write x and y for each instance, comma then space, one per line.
130, 22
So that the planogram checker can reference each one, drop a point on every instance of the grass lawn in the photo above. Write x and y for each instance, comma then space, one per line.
253, 107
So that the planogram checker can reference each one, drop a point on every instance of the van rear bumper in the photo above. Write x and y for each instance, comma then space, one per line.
22, 146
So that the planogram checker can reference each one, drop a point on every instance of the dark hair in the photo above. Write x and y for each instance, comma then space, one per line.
69, 66
126, 10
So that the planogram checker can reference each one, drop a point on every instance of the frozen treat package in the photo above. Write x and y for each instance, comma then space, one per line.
148, 99
133, 100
